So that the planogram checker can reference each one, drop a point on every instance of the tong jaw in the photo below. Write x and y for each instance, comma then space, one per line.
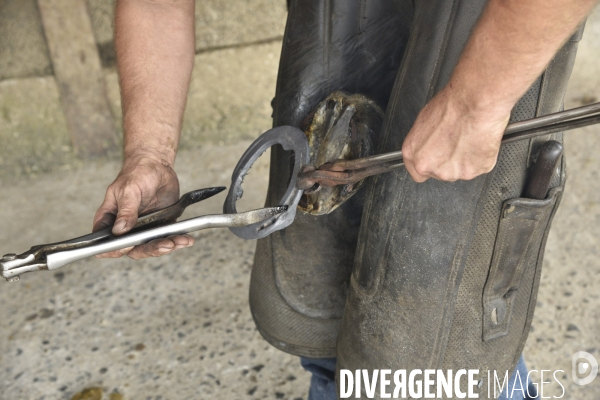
13, 266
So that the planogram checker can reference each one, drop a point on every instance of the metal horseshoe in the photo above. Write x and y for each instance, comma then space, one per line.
291, 139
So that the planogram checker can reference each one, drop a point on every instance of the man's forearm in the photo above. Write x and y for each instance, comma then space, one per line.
510, 47
459, 132
154, 41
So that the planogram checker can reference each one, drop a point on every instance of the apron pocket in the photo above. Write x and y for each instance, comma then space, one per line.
522, 228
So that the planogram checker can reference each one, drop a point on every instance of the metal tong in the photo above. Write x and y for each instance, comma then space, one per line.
148, 227
343, 172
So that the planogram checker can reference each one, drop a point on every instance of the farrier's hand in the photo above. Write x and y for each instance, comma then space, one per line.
450, 140
144, 184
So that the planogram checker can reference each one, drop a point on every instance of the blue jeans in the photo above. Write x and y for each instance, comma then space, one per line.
322, 382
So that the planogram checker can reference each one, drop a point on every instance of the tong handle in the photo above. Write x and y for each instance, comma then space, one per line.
35, 258
62, 258
155, 218
171, 213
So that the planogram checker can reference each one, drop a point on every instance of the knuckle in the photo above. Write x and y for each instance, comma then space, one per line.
159, 248
126, 212
489, 167
138, 252
445, 176
112, 188
127, 209
126, 250
469, 173
448, 174
129, 194
140, 255
182, 241
469, 176
421, 168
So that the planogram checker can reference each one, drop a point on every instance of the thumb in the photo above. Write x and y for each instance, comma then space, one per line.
128, 206
409, 162
106, 213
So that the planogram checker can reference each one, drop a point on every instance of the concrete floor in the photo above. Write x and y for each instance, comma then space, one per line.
171, 328
179, 327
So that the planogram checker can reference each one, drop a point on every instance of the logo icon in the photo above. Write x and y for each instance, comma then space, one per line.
584, 364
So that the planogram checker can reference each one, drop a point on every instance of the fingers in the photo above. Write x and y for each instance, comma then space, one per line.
155, 248
448, 172
120, 210
143, 184
417, 170
416, 176
106, 213
116, 253
128, 206
103, 219
449, 142
160, 247
448, 160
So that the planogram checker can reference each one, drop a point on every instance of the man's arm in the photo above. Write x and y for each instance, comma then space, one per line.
154, 41
457, 135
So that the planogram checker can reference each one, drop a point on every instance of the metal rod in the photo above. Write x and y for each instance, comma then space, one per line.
553, 128
61, 258
364, 162
552, 118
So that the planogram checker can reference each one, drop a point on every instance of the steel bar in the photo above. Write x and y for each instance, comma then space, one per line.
59, 259
553, 128
553, 118
12, 267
